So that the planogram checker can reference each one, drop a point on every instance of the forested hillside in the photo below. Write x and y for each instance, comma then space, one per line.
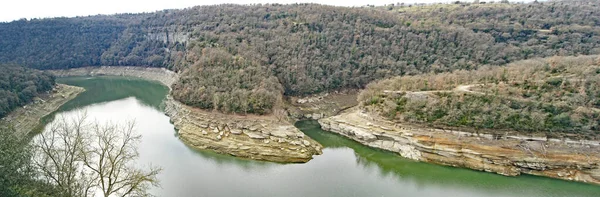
18, 86
228, 83
308, 48
555, 96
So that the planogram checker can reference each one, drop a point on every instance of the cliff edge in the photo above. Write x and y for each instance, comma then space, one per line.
510, 155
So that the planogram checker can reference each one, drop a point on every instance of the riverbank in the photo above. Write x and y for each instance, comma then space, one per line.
164, 76
254, 137
511, 157
25, 119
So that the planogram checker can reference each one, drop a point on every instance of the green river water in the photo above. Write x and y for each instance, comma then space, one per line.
346, 168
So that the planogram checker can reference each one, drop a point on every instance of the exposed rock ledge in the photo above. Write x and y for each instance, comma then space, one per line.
254, 137
25, 119
511, 157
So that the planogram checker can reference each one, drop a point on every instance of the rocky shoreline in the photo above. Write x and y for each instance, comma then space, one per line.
271, 139
25, 119
164, 76
510, 157
254, 137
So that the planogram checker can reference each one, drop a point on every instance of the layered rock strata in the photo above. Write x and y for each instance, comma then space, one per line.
253, 137
510, 156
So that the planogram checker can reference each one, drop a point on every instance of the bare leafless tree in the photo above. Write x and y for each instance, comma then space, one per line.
58, 158
84, 158
110, 157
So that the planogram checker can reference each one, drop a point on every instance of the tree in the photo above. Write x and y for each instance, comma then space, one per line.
87, 159
17, 174
59, 155
14, 158
110, 158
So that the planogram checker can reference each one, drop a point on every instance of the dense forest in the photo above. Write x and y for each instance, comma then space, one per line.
555, 96
19, 85
308, 48
228, 83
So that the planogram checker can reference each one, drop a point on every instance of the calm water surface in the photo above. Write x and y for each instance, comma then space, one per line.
346, 168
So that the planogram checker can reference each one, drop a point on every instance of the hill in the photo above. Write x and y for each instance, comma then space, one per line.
558, 96
307, 48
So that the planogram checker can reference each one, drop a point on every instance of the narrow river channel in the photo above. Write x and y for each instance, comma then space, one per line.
345, 169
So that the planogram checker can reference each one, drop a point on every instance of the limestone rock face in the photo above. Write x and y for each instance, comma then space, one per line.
510, 156
253, 137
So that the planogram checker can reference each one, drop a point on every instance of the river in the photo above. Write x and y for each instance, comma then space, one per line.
345, 168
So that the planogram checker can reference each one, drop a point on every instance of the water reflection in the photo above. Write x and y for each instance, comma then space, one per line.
426, 175
107, 88
346, 168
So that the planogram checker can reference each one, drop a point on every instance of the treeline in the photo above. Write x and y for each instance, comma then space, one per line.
59, 43
313, 48
19, 86
227, 83
555, 96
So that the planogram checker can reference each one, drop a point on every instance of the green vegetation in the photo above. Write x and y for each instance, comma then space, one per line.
19, 86
556, 96
58, 43
18, 177
308, 48
221, 81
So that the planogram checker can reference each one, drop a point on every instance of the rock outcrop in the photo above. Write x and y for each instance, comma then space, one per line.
253, 137
25, 119
562, 159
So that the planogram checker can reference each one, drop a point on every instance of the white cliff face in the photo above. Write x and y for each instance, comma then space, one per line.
507, 156
169, 37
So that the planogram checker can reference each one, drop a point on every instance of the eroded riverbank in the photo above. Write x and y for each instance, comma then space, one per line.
254, 137
511, 157
271, 139
25, 119
346, 167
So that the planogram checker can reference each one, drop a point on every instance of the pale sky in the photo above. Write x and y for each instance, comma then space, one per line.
16, 9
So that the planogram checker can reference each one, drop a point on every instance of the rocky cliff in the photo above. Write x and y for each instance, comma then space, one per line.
556, 158
253, 137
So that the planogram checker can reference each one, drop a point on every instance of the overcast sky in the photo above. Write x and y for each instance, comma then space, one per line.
17, 9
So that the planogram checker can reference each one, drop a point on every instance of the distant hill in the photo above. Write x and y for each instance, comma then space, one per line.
307, 48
